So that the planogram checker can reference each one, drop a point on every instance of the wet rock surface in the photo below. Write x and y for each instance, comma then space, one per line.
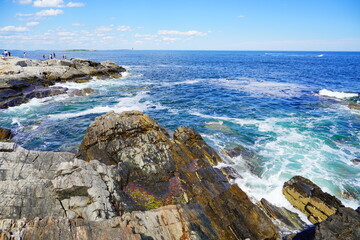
289, 221
24, 79
310, 199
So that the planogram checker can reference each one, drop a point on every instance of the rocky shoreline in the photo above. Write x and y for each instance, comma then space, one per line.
132, 180
23, 79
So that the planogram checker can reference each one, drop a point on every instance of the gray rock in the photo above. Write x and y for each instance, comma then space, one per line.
39, 184
17, 74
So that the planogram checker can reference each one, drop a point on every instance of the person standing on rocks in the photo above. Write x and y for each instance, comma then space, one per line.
24, 54
54, 55
44, 56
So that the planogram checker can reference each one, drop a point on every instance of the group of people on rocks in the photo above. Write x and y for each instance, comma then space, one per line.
53, 56
7, 54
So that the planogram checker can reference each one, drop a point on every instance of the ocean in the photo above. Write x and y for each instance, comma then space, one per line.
288, 109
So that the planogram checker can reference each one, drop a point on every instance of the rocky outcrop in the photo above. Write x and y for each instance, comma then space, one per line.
343, 225
157, 171
23, 79
5, 134
354, 106
169, 222
288, 220
133, 175
310, 199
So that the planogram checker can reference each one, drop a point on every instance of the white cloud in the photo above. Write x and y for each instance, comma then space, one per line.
77, 24
66, 38
32, 24
49, 3
75, 4
107, 38
241, 16
24, 14
187, 33
168, 39
124, 28
103, 29
49, 12
23, 2
66, 33
13, 29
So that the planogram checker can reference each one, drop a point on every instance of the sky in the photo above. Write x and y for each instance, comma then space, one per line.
285, 25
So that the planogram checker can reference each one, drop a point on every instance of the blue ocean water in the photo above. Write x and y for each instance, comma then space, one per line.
268, 102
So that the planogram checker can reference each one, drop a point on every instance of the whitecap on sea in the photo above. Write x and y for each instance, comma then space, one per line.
339, 95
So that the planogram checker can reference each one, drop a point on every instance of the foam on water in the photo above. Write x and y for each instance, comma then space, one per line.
35, 103
258, 88
189, 82
291, 151
129, 103
339, 95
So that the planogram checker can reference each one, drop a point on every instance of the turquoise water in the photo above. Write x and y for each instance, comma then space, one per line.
268, 102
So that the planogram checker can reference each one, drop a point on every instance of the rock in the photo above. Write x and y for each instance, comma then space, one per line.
8, 93
238, 151
52, 228
310, 199
80, 92
290, 221
7, 147
39, 184
72, 74
356, 161
354, 106
230, 173
5, 134
343, 225
45, 92
19, 76
157, 171
250, 160
170, 222
219, 126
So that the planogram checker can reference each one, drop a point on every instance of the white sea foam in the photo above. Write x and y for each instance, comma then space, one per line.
189, 82
320, 55
240, 121
262, 88
339, 95
290, 152
36, 102
125, 104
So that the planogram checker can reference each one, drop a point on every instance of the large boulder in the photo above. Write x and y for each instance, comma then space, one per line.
157, 171
306, 196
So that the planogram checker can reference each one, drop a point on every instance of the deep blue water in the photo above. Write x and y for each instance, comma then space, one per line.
265, 101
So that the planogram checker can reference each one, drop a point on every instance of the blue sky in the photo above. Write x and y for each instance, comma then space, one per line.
306, 25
